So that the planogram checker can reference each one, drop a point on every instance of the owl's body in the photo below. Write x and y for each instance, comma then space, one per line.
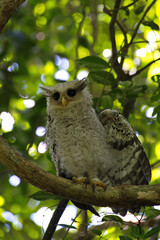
103, 149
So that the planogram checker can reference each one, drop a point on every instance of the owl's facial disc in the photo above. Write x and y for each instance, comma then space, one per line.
67, 99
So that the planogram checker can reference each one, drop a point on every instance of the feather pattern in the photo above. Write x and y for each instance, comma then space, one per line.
102, 149
131, 164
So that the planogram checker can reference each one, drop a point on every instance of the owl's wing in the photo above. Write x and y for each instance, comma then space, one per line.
130, 162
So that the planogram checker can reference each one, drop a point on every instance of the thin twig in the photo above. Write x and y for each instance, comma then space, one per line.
129, 5
141, 20
74, 219
79, 36
106, 10
95, 26
146, 66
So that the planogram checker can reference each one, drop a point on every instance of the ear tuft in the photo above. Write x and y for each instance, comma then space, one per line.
46, 91
81, 84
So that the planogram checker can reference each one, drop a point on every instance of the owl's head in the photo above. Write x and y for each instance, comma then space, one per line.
67, 94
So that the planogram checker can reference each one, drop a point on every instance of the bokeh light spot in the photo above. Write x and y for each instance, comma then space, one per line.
14, 180
107, 53
7, 121
2, 201
62, 75
42, 147
40, 131
29, 103
82, 74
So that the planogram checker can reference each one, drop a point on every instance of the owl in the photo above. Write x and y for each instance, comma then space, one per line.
100, 150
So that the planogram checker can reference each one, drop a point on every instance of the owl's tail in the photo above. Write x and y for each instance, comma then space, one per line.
86, 207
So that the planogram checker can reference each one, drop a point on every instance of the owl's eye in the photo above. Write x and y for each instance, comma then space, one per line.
56, 96
71, 92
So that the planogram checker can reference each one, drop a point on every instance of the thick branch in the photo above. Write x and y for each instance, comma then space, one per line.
106, 10
121, 196
7, 9
114, 61
112, 27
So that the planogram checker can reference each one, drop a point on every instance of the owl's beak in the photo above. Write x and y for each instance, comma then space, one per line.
64, 101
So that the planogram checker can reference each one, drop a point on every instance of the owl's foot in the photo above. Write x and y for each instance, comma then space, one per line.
95, 182
80, 180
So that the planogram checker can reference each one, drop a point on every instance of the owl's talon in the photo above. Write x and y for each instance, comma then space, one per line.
97, 183
80, 180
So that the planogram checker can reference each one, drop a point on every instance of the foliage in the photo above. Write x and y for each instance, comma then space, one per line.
47, 42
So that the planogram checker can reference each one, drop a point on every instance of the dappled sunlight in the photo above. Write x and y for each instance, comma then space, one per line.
42, 147
155, 174
62, 63
49, 68
10, 217
29, 103
7, 121
140, 52
82, 74
62, 75
14, 180
32, 151
157, 150
107, 53
40, 131
43, 215
44, 43
2, 201
149, 113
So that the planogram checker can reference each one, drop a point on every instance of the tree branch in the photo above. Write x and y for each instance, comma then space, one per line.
7, 9
146, 66
55, 219
106, 10
114, 61
141, 20
121, 196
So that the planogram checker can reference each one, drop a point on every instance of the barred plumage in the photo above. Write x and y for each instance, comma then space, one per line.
101, 149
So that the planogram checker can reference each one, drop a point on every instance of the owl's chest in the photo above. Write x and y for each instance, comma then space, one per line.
80, 145
72, 134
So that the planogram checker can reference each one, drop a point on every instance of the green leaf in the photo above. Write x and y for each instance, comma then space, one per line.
151, 213
151, 232
84, 42
93, 62
134, 91
103, 77
158, 118
96, 232
139, 9
156, 110
156, 78
67, 226
151, 24
106, 101
112, 218
124, 238
41, 195
116, 93
136, 232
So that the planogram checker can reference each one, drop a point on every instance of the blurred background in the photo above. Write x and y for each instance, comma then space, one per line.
40, 45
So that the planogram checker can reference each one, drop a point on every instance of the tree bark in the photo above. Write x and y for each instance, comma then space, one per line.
7, 9
118, 196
